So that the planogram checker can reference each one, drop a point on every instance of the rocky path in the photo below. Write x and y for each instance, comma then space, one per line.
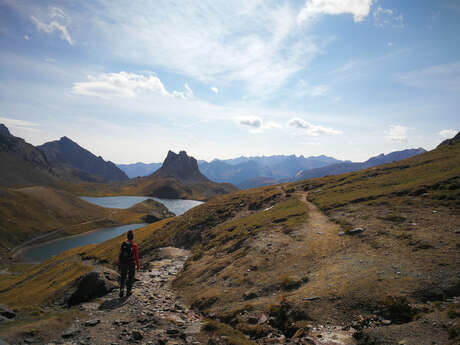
151, 315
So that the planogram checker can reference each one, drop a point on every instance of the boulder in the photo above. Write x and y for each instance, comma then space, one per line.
91, 285
7, 313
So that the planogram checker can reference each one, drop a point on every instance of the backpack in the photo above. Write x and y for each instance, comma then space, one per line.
126, 253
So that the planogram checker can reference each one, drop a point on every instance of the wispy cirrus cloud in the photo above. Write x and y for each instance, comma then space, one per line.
59, 20
206, 42
442, 77
126, 85
388, 17
19, 124
311, 129
303, 89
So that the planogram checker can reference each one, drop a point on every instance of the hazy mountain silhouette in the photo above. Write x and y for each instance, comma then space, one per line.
71, 160
340, 168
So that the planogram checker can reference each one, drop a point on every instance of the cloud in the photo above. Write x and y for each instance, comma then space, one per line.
256, 44
313, 8
387, 17
126, 85
187, 94
19, 124
214, 89
441, 77
448, 133
57, 14
251, 121
26, 37
397, 133
256, 124
310, 129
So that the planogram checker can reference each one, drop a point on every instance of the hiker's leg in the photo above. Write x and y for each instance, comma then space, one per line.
131, 274
123, 276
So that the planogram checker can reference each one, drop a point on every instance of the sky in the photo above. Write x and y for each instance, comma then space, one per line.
130, 80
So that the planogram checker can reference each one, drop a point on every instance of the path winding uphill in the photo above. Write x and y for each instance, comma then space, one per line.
152, 315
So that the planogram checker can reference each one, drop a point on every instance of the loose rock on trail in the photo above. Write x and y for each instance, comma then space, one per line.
151, 315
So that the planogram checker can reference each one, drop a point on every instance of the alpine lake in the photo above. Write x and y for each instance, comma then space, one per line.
46, 250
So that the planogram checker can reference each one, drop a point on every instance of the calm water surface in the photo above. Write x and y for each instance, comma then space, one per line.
49, 249
178, 206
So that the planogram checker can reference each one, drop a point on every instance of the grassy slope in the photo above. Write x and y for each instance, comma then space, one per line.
406, 249
21, 173
267, 250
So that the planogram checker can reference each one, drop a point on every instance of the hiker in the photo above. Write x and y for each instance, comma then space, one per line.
128, 260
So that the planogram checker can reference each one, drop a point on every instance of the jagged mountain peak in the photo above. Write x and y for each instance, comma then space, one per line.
181, 167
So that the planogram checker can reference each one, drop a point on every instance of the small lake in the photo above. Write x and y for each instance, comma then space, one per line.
178, 206
46, 250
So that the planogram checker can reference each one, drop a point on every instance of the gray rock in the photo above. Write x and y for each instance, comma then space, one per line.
91, 285
8, 313
137, 335
355, 231
92, 323
70, 333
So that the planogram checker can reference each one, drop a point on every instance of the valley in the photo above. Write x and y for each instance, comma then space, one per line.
350, 259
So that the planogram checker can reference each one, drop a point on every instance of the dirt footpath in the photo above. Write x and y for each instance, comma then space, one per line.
151, 315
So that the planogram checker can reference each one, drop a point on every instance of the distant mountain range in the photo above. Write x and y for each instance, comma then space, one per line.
245, 172
250, 172
178, 178
341, 168
139, 169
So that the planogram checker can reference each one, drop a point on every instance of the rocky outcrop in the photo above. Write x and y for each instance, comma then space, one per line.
69, 158
153, 210
180, 167
450, 141
10, 143
22, 164
92, 285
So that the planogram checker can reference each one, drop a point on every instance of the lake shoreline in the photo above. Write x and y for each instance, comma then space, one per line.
19, 254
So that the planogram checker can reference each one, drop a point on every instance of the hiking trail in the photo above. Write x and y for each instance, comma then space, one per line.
153, 314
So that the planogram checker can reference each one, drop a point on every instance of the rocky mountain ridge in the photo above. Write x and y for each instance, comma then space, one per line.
72, 160
341, 168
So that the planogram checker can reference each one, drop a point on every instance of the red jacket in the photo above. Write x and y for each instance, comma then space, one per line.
136, 254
